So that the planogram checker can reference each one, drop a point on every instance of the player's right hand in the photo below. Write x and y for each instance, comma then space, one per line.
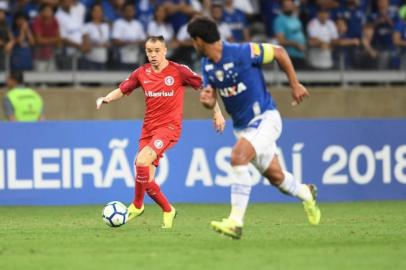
100, 101
219, 122
207, 98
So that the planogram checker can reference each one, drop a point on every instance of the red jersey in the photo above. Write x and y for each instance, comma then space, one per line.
164, 93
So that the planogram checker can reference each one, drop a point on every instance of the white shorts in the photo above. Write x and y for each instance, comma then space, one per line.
262, 132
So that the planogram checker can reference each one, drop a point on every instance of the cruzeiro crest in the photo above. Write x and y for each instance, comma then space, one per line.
220, 75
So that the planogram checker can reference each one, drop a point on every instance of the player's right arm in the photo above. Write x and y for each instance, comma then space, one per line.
112, 96
208, 97
125, 88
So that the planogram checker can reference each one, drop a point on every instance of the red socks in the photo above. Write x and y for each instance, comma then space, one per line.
155, 193
141, 182
152, 188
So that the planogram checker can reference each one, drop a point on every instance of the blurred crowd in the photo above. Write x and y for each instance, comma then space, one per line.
49, 35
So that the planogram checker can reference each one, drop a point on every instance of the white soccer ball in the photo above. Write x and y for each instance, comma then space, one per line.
115, 214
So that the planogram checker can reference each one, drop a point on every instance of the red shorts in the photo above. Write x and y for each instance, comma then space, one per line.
162, 139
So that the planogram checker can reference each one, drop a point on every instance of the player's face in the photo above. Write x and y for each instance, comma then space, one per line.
156, 52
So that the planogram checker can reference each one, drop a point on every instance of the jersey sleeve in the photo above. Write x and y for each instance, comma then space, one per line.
131, 82
189, 77
253, 54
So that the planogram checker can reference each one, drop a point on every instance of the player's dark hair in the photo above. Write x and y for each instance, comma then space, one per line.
155, 39
204, 28
17, 76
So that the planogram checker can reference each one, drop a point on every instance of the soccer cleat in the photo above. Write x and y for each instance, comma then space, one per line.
227, 227
168, 218
311, 208
134, 211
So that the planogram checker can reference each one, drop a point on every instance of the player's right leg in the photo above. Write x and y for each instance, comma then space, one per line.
145, 173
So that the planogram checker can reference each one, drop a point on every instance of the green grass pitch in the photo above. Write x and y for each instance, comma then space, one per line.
367, 235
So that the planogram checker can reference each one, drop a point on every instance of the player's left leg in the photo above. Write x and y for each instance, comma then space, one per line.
162, 141
169, 212
287, 184
241, 155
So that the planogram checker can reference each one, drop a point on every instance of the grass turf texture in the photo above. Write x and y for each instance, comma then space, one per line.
368, 235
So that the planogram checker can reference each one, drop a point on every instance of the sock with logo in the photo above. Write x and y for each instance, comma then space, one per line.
240, 193
156, 194
141, 182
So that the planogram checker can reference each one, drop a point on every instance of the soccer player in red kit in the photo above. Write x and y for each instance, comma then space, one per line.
163, 84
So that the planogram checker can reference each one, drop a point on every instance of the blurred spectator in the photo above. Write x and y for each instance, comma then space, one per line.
159, 27
79, 10
270, 9
46, 33
368, 57
289, 33
27, 7
393, 5
179, 11
128, 35
322, 36
21, 55
354, 16
217, 14
113, 9
399, 36
345, 45
237, 22
308, 8
183, 48
145, 11
96, 36
89, 3
383, 22
245, 6
70, 20
364, 5
21, 103
327, 4
6, 38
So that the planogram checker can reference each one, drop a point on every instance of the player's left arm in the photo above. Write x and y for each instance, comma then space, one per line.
271, 52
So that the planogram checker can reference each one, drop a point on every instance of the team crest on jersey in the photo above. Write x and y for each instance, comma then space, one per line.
158, 144
228, 66
220, 75
169, 80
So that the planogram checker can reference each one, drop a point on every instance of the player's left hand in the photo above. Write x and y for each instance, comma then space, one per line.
219, 122
299, 93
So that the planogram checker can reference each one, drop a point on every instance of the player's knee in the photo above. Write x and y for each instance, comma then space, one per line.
238, 159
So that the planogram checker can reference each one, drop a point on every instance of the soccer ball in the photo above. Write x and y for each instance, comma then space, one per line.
115, 214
